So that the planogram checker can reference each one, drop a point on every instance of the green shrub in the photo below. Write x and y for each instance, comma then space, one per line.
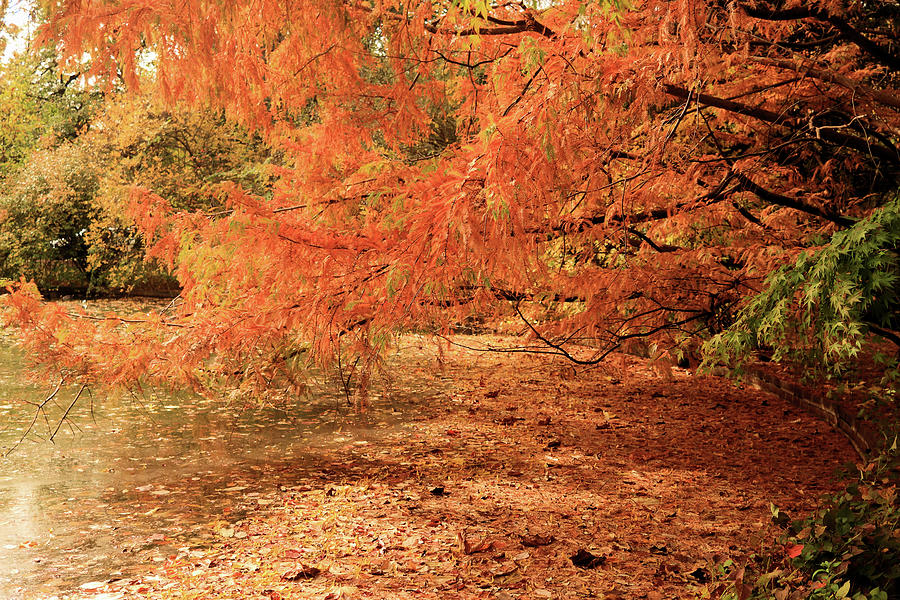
849, 548
45, 211
821, 309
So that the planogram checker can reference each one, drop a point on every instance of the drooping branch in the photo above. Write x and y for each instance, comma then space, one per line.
887, 97
862, 145
39, 411
614, 344
849, 33
787, 202
65, 415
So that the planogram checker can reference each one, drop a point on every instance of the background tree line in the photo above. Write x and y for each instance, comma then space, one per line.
69, 158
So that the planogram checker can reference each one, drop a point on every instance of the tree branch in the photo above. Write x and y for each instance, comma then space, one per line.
522, 26
887, 97
37, 412
659, 248
787, 202
66, 414
834, 136
849, 33
731, 106
747, 214
887, 334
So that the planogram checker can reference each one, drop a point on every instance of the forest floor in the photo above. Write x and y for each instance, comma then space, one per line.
522, 467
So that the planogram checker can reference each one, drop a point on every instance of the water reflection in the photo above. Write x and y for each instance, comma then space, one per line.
134, 480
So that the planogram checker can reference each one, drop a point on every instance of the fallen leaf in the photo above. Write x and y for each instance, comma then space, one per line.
659, 548
535, 541
504, 569
702, 575
467, 547
586, 560
301, 573
92, 585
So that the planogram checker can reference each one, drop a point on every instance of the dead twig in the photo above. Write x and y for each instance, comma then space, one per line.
37, 412
62, 419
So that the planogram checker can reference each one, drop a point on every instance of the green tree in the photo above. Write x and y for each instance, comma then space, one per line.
821, 308
46, 210
40, 106
185, 156
70, 160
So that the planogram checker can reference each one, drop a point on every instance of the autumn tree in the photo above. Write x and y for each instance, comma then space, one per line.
46, 186
602, 173
181, 154
69, 156
40, 107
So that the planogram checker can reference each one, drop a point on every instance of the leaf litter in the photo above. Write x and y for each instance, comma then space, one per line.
608, 484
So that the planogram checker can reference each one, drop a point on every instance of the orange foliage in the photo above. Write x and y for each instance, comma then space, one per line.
607, 172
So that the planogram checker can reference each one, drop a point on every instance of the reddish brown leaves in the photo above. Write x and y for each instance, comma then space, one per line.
585, 560
589, 189
301, 573
536, 541
467, 547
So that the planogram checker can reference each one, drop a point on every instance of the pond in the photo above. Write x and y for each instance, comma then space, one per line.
129, 481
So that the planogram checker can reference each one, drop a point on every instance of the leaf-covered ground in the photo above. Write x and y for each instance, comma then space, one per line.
526, 467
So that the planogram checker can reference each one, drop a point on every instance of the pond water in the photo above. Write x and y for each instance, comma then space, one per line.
128, 481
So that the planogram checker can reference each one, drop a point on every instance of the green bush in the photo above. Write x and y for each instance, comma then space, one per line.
821, 309
849, 548
45, 211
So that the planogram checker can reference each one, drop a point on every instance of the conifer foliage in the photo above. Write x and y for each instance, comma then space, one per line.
601, 172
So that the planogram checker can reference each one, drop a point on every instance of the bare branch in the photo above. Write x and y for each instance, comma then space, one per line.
38, 411
68, 410
887, 97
